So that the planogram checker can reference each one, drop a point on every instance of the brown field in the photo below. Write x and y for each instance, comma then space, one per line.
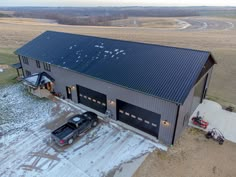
192, 156
222, 43
7, 12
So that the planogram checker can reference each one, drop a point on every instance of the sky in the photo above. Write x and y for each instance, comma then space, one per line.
117, 2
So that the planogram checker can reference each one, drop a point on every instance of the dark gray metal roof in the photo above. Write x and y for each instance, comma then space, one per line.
165, 72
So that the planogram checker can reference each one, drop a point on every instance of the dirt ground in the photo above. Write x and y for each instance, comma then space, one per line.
192, 156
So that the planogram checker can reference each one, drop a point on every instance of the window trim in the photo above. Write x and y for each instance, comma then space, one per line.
25, 60
47, 66
38, 64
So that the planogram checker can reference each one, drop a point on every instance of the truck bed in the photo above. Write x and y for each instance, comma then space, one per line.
63, 131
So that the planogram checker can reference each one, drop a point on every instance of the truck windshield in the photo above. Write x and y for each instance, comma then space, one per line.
71, 125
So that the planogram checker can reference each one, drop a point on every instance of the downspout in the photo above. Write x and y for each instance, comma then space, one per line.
176, 121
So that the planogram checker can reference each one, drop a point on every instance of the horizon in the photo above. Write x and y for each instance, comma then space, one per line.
43, 6
114, 3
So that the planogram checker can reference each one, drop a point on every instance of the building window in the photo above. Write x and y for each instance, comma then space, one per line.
27, 73
37, 64
25, 60
47, 66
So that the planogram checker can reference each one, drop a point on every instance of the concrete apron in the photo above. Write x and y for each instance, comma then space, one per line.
126, 169
218, 118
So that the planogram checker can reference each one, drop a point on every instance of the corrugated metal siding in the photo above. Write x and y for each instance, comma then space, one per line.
209, 77
185, 109
65, 78
165, 72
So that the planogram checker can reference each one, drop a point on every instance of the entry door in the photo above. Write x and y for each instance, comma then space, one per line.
68, 92
48, 86
139, 118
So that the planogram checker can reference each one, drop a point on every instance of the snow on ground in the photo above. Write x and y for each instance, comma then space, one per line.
26, 150
218, 118
1, 70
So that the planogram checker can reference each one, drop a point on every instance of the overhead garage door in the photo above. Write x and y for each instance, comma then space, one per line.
92, 99
139, 118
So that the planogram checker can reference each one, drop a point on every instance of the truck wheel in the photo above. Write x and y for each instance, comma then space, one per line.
221, 142
208, 135
70, 141
94, 124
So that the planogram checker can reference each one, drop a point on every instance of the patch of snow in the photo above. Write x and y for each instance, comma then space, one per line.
32, 79
45, 80
99, 46
26, 149
1, 70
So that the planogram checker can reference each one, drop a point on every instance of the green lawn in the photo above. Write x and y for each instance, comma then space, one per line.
7, 57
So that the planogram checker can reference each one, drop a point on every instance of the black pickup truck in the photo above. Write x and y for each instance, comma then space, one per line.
75, 126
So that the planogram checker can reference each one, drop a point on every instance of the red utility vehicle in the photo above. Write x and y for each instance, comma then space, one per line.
198, 121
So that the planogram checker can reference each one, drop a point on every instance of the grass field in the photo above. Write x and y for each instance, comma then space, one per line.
9, 74
222, 43
149, 22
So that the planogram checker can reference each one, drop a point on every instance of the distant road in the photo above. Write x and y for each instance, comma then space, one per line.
200, 24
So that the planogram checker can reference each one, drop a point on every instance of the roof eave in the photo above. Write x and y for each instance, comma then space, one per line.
212, 56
